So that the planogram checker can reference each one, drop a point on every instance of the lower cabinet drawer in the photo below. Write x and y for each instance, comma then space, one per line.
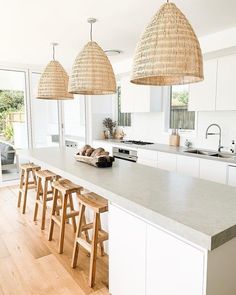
213, 170
166, 161
231, 175
173, 267
127, 245
188, 166
147, 162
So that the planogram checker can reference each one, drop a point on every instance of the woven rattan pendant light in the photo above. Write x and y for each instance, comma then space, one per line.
92, 72
53, 82
168, 52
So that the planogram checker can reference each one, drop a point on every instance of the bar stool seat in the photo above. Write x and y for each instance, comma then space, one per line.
63, 190
43, 195
25, 182
66, 186
99, 205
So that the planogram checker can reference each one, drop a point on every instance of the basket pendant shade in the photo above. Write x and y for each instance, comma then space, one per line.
92, 72
168, 52
53, 82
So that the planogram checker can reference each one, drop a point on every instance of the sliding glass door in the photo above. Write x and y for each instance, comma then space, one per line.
26, 121
13, 121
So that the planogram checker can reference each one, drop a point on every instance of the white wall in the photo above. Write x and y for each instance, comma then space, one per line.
74, 115
101, 108
150, 127
226, 120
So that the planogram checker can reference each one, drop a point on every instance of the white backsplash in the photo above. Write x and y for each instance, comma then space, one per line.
150, 127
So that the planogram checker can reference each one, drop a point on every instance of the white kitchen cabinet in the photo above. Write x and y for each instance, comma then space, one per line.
173, 267
213, 170
188, 165
147, 157
231, 175
202, 95
226, 83
127, 245
166, 161
140, 98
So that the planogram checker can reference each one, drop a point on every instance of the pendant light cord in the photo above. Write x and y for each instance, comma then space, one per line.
54, 44
53, 51
91, 21
91, 31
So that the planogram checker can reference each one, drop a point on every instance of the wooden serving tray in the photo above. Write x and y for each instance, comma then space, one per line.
100, 161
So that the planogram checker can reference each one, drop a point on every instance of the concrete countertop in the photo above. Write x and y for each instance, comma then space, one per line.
199, 211
171, 149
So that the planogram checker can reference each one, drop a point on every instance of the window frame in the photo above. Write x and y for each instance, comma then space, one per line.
166, 107
115, 108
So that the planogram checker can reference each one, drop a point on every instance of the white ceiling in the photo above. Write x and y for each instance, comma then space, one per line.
27, 27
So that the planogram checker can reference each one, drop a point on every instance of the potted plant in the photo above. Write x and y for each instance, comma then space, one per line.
109, 126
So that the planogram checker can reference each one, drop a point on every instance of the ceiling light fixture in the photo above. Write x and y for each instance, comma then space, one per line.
53, 82
92, 72
168, 52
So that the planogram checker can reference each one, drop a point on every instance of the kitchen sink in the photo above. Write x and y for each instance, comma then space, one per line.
210, 154
218, 155
198, 152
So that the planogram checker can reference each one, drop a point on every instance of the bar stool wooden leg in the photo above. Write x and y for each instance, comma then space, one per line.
92, 270
100, 243
21, 187
86, 234
78, 234
45, 190
62, 225
37, 198
25, 192
34, 177
72, 209
54, 208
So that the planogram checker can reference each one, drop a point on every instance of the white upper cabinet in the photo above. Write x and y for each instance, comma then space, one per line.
139, 98
226, 81
216, 92
202, 95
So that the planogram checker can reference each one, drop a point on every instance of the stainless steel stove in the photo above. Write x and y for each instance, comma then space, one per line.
126, 153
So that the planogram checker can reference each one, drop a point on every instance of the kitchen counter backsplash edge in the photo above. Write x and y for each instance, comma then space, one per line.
165, 148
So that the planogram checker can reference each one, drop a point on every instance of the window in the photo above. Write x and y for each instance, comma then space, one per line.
45, 120
124, 119
180, 117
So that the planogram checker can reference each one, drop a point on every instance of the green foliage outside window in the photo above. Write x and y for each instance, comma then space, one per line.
11, 101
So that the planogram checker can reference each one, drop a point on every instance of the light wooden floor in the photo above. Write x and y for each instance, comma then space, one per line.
29, 264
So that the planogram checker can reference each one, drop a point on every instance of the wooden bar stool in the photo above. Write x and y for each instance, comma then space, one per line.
62, 190
26, 183
99, 205
43, 195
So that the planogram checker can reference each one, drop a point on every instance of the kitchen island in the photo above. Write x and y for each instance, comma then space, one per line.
169, 234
